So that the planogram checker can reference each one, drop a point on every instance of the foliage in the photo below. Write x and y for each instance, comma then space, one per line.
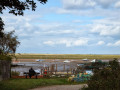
25, 84
98, 65
15, 73
1, 27
8, 43
4, 57
17, 7
107, 78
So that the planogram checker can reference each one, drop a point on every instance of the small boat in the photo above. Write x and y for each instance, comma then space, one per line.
37, 70
66, 61
94, 60
39, 60
85, 59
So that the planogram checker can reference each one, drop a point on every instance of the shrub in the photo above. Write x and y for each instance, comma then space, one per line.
107, 78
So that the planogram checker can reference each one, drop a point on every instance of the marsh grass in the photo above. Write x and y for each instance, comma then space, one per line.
65, 56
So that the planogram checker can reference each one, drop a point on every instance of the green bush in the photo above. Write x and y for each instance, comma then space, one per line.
15, 73
107, 78
5, 57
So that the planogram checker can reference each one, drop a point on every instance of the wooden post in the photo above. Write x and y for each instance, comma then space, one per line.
41, 71
36, 75
48, 70
56, 67
67, 72
64, 67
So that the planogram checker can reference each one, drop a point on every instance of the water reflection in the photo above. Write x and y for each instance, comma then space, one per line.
25, 66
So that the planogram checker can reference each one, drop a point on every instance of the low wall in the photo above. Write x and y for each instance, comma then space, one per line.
5, 69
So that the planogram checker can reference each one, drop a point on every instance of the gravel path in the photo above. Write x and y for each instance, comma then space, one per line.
61, 87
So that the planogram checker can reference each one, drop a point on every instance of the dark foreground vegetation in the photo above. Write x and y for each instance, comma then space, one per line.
25, 84
107, 78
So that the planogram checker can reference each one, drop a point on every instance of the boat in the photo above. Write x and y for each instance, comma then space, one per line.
85, 59
39, 60
66, 61
94, 60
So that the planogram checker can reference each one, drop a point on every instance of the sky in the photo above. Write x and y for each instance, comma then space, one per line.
68, 27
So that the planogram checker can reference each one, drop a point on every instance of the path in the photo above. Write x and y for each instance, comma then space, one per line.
61, 87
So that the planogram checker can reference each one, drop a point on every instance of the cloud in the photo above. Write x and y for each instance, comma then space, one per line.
117, 4
68, 42
106, 3
49, 43
78, 4
100, 43
106, 30
117, 43
106, 27
87, 4
90, 8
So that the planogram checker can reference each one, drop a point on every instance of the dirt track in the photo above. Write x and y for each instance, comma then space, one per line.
61, 87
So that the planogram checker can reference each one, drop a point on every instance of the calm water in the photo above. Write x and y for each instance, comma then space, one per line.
25, 66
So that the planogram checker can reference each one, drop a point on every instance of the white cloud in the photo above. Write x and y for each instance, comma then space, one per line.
106, 3
87, 4
107, 30
78, 4
117, 5
106, 27
117, 43
68, 42
109, 44
80, 42
49, 43
100, 43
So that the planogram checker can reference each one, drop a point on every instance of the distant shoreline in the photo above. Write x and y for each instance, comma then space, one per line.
66, 56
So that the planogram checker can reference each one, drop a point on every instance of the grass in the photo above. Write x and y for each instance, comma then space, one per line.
25, 84
65, 56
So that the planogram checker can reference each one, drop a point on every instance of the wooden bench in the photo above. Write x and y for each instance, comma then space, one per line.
27, 74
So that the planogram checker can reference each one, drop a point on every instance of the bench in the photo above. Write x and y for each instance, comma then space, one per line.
27, 74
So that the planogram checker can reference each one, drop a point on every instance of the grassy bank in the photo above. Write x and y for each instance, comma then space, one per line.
25, 84
65, 56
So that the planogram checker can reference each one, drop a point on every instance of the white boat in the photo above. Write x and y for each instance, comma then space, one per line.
94, 60
66, 61
37, 71
39, 60
85, 59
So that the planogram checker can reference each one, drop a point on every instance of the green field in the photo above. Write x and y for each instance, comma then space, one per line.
25, 84
65, 56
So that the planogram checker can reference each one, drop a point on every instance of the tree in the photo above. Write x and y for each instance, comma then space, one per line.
8, 43
107, 78
17, 7
1, 27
